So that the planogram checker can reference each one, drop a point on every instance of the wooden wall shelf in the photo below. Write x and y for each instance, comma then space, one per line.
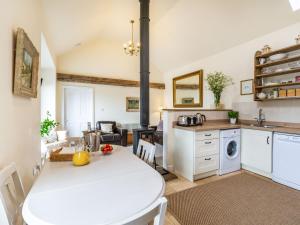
277, 99
278, 73
279, 62
278, 85
282, 50
259, 77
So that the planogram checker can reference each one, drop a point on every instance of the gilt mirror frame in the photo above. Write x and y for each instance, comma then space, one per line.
198, 73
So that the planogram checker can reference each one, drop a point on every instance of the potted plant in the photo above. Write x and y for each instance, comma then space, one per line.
233, 116
47, 125
217, 81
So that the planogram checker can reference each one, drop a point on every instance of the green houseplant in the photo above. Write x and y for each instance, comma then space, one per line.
47, 125
217, 82
233, 116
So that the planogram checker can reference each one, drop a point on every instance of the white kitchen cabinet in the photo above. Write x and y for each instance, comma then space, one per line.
256, 151
196, 154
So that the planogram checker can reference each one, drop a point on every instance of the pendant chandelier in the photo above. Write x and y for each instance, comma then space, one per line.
130, 48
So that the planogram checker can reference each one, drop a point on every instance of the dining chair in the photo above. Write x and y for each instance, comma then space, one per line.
156, 213
146, 151
11, 196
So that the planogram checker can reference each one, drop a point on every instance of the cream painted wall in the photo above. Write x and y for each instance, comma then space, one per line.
19, 116
103, 58
110, 103
106, 58
238, 63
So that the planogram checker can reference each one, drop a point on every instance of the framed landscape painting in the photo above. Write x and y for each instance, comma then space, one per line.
26, 66
132, 104
247, 87
187, 101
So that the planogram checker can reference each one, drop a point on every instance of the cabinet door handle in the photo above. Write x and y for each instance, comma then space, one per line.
268, 140
207, 142
207, 159
207, 135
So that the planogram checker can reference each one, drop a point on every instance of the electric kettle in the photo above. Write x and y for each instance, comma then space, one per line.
200, 118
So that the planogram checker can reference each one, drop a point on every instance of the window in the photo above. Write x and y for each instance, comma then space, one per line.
295, 4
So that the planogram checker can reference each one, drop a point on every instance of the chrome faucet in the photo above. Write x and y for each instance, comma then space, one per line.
261, 118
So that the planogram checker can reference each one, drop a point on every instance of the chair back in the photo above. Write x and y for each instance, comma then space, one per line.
11, 196
146, 151
155, 213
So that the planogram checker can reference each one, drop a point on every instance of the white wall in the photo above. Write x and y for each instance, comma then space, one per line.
104, 58
48, 87
238, 62
110, 103
19, 116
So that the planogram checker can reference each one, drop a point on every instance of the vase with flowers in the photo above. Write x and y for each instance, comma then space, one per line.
217, 82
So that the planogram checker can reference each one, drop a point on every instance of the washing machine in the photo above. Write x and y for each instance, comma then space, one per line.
230, 151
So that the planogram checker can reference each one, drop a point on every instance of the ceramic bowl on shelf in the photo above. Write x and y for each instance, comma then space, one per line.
271, 83
278, 56
261, 95
294, 65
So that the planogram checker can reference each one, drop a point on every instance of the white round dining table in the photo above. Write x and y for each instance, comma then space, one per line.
109, 190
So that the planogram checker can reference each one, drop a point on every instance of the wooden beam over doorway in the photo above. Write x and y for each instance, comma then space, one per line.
104, 81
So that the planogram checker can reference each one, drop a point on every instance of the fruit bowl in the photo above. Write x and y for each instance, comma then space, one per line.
106, 149
278, 56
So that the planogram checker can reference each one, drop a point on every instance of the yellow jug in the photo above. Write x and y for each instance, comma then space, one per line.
81, 158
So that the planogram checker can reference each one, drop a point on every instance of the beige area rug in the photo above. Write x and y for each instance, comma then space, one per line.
243, 199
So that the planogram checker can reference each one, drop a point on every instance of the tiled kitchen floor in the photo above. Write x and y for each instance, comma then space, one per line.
181, 184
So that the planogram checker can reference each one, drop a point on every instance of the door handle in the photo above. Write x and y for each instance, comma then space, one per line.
207, 135
207, 159
268, 140
208, 142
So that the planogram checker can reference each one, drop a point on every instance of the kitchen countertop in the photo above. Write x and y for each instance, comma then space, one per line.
225, 125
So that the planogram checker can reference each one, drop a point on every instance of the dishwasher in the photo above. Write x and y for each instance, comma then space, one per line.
286, 159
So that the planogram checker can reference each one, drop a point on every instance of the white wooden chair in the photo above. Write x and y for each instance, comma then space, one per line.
156, 213
146, 151
11, 196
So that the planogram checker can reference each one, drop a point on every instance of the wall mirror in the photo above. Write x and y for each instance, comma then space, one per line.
188, 90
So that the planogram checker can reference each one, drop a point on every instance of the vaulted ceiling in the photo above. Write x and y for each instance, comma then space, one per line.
182, 31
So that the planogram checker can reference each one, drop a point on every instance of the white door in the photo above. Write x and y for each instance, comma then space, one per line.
78, 109
256, 151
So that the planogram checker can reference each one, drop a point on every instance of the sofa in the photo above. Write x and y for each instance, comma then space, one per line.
118, 136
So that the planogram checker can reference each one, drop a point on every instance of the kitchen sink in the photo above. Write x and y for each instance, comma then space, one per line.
264, 126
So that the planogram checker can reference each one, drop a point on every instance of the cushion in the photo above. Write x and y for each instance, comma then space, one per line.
62, 135
106, 127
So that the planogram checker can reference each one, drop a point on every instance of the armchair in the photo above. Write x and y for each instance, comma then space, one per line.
117, 137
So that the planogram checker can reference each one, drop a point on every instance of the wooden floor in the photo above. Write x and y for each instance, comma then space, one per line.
181, 184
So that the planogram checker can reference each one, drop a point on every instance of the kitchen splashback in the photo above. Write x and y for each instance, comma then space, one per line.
279, 111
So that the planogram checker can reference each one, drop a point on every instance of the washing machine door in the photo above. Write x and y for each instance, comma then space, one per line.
232, 149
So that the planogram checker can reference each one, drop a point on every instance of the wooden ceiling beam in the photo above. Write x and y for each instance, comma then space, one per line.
104, 81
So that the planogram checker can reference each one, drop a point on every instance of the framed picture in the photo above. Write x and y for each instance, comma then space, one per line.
26, 66
187, 101
247, 87
132, 104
